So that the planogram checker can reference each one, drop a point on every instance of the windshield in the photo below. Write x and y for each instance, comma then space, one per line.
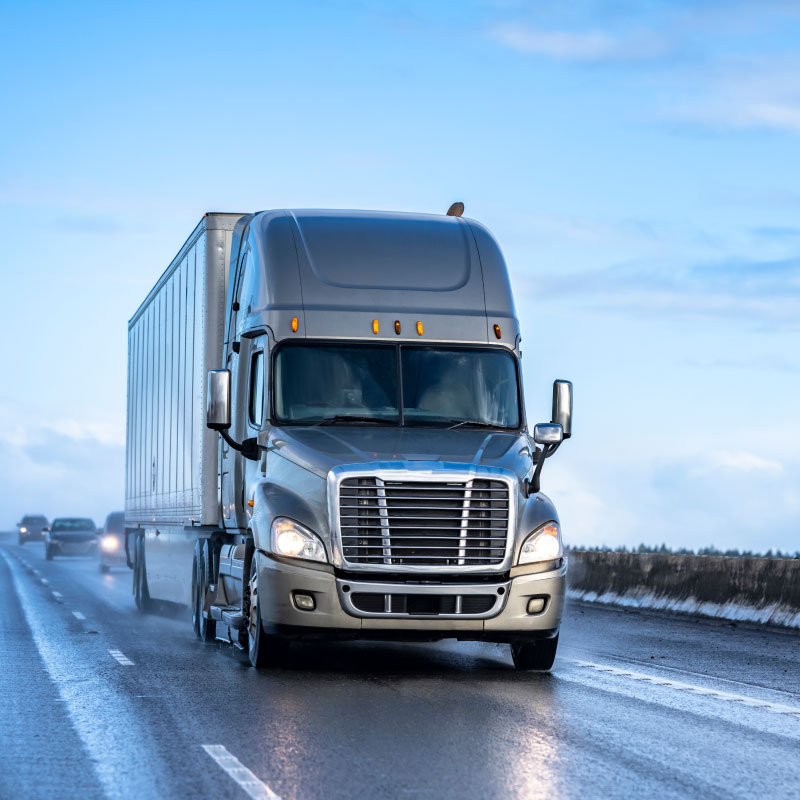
465, 386
73, 525
115, 523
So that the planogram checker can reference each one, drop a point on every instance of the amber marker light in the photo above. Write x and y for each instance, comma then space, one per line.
497, 331
419, 327
376, 327
397, 327
250, 503
294, 324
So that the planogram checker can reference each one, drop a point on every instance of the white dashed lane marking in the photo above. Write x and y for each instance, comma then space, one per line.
78, 615
58, 596
716, 694
121, 658
44, 581
239, 772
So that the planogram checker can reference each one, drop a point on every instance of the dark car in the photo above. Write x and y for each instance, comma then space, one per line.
31, 528
71, 536
112, 542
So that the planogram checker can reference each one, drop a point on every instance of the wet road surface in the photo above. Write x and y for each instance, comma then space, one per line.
98, 701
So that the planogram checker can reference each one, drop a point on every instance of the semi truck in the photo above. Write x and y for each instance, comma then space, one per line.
326, 438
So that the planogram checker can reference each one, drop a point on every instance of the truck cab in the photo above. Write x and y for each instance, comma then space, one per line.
377, 477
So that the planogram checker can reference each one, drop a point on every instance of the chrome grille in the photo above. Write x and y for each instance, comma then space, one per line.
423, 523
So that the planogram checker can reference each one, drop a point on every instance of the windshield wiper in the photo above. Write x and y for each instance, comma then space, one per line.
475, 423
353, 418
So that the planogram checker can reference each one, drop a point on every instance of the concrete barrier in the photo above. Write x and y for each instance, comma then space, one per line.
762, 590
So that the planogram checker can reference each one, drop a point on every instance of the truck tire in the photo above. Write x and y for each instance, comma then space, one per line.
205, 629
264, 650
21, 541
140, 592
538, 655
48, 552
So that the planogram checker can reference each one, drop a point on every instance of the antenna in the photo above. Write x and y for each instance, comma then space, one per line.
456, 210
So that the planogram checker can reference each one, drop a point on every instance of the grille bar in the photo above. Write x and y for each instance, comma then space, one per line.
442, 524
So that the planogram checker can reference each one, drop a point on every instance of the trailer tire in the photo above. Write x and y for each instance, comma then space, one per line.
263, 649
537, 656
141, 593
48, 552
205, 628
104, 568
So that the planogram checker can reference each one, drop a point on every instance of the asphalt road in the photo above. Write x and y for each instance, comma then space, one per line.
98, 701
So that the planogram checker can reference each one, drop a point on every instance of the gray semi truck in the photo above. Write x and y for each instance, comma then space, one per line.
326, 438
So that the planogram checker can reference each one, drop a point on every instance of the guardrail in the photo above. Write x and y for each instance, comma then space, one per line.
761, 590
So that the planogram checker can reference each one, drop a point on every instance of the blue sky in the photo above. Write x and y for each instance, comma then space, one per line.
639, 163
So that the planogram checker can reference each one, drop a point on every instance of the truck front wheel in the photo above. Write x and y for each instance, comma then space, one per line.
264, 650
538, 655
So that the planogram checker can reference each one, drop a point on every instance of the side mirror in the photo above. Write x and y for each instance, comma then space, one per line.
218, 400
45, 530
562, 407
548, 433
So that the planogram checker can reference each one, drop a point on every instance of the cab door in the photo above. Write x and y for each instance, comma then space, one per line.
230, 461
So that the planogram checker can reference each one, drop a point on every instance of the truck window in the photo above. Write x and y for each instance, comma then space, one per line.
256, 402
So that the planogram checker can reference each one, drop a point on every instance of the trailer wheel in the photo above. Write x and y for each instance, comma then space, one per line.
48, 552
140, 591
205, 628
538, 655
264, 650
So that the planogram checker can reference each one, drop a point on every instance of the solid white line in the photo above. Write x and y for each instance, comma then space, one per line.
775, 708
121, 658
78, 615
106, 718
239, 772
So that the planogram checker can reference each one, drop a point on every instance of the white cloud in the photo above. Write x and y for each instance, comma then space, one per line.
743, 461
556, 44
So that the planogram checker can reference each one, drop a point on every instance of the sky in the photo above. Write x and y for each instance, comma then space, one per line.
638, 161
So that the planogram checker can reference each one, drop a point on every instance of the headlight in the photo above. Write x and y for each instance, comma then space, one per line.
109, 543
291, 539
544, 544
23, 530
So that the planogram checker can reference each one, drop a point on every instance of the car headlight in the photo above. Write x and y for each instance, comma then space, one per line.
293, 540
23, 530
109, 543
544, 544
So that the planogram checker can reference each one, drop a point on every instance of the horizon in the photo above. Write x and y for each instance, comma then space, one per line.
638, 168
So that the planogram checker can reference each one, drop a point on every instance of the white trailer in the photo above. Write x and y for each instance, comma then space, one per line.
174, 338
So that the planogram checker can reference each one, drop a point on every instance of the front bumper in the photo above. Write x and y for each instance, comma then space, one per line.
335, 616
68, 547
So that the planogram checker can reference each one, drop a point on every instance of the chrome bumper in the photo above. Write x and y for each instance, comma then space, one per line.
335, 613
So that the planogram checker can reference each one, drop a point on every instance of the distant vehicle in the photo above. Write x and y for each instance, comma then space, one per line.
112, 542
374, 474
31, 528
71, 536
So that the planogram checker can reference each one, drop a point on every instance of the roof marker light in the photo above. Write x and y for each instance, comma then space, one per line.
294, 324
497, 331
419, 327
376, 327
397, 327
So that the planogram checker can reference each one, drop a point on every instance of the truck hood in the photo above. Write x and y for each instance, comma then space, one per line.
320, 449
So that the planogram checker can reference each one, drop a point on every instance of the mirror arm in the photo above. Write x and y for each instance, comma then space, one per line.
533, 485
249, 448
